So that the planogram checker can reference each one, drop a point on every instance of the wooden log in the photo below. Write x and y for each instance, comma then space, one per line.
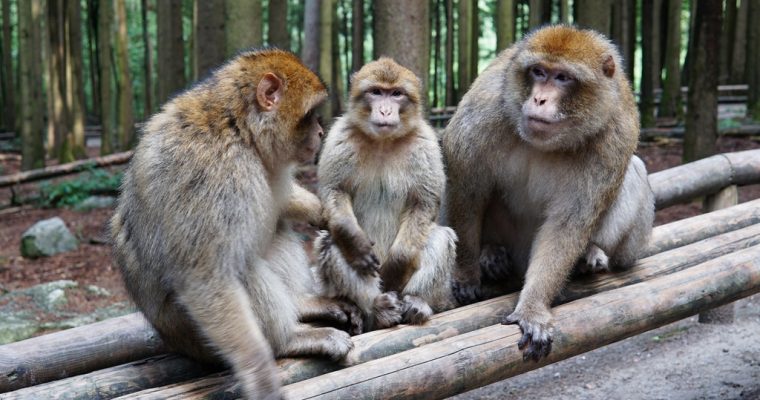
726, 197
378, 344
488, 355
76, 351
64, 169
703, 177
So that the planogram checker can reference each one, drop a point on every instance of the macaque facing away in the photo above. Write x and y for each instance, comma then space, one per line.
202, 229
542, 174
381, 180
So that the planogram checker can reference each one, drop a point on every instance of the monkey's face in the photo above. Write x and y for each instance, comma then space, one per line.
543, 119
309, 135
385, 105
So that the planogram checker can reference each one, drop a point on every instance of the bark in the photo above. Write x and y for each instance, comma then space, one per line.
505, 24
73, 145
449, 54
64, 169
328, 63
58, 108
30, 84
357, 35
436, 52
9, 90
310, 50
92, 49
564, 11
702, 116
726, 42
649, 57
240, 25
171, 50
147, 62
394, 19
594, 14
279, 35
624, 31
670, 104
752, 68
105, 53
209, 37
467, 45
738, 53
535, 12
125, 124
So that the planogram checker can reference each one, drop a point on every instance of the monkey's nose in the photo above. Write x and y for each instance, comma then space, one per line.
538, 101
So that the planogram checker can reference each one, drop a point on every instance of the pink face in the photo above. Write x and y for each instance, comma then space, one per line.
541, 112
386, 106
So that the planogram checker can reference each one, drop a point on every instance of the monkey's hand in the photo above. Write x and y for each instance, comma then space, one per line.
466, 291
536, 340
494, 262
387, 310
397, 270
359, 255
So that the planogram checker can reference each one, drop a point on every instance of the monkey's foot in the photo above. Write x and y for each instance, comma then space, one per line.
387, 310
465, 293
595, 261
347, 315
536, 340
416, 311
328, 342
494, 262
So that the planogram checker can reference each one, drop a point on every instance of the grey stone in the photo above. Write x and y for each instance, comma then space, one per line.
46, 238
97, 291
15, 326
93, 202
50, 295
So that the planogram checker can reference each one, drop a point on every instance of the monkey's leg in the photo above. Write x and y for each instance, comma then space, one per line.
340, 280
594, 261
429, 289
240, 341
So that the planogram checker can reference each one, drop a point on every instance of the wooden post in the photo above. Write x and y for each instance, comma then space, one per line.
727, 197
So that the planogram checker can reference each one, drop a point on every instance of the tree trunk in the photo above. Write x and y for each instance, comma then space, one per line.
209, 36
58, 120
535, 11
449, 54
357, 35
670, 104
92, 49
564, 11
467, 41
125, 126
241, 28
9, 90
753, 62
326, 58
594, 14
726, 42
738, 53
171, 50
147, 62
623, 31
436, 79
279, 35
702, 116
394, 19
73, 144
105, 53
649, 56
30, 84
310, 51
505, 24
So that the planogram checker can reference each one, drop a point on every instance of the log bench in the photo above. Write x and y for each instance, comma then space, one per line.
690, 266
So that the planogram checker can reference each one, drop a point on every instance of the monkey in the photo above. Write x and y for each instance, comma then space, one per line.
542, 174
381, 180
202, 230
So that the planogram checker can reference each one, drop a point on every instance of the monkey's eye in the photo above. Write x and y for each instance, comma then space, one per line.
537, 72
563, 78
376, 92
397, 93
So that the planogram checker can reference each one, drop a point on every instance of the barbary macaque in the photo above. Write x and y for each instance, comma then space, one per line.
202, 230
541, 173
381, 180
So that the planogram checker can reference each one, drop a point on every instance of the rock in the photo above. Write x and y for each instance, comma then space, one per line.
93, 202
15, 326
97, 291
51, 295
46, 238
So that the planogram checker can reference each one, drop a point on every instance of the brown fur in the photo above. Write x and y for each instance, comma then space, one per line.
381, 191
546, 196
202, 232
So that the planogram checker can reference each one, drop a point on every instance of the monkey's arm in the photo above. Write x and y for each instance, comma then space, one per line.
304, 205
403, 257
346, 232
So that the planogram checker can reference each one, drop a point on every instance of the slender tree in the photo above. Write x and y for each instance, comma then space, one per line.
670, 104
738, 52
171, 50
394, 19
436, 48
753, 62
702, 116
449, 54
73, 145
30, 84
624, 31
125, 121
147, 62
505, 24
310, 50
468, 43
241, 28
105, 54
92, 50
726, 41
209, 36
58, 119
564, 11
649, 69
357, 35
327, 59
9, 91
594, 14
279, 35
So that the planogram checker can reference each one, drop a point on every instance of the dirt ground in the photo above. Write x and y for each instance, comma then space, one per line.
685, 359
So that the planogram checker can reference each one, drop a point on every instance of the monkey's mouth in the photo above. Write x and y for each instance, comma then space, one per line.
384, 126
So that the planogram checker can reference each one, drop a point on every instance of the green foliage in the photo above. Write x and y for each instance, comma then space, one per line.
72, 192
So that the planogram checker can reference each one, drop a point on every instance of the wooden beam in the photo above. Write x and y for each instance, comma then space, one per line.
64, 169
488, 355
379, 344
703, 177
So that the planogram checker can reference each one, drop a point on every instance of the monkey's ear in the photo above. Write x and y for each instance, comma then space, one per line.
269, 92
608, 66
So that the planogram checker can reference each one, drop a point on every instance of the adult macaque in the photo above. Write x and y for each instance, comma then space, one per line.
542, 172
381, 179
201, 232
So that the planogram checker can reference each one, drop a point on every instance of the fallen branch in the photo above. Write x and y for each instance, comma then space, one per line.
64, 169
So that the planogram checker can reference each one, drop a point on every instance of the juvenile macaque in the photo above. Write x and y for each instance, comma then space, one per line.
542, 174
381, 179
202, 232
